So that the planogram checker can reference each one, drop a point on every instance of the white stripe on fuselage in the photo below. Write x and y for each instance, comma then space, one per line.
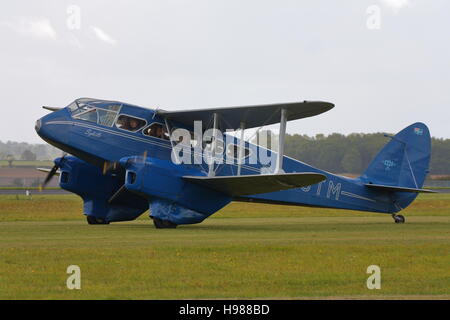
356, 196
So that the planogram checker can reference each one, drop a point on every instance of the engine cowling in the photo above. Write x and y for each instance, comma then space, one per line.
96, 189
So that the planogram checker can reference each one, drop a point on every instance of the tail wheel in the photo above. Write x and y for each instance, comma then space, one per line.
398, 218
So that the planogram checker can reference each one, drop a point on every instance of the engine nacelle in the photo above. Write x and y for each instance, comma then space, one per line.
96, 189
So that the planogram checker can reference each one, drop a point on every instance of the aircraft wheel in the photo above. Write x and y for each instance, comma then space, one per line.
398, 218
163, 224
94, 220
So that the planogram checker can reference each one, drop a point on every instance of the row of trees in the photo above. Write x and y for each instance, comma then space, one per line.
353, 153
11, 151
336, 153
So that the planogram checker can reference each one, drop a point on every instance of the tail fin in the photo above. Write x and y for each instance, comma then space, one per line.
402, 164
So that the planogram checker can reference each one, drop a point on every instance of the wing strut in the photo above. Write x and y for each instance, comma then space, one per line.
281, 138
169, 130
241, 148
211, 172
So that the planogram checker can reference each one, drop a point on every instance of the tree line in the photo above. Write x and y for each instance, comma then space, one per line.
12, 151
351, 153
354, 152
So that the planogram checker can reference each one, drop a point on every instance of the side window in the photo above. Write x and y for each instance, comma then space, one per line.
107, 115
194, 138
208, 144
89, 115
81, 110
106, 118
73, 106
128, 123
115, 107
156, 130
233, 151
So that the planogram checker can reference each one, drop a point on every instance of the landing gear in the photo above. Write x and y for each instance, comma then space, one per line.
163, 224
94, 220
398, 218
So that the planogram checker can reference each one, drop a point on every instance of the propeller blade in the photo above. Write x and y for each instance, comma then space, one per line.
114, 165
52, 173
49, 177
144, 158
117, 194
46, 170
105, 167
108, 166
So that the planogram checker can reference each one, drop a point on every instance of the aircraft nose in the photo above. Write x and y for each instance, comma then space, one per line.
42, 129
38, 125
52, 129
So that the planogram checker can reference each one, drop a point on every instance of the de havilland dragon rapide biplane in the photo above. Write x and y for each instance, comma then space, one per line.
123, 162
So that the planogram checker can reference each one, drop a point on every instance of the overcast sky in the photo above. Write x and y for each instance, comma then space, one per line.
384, 63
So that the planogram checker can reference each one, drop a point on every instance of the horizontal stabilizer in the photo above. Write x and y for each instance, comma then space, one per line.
255, 184
398, 189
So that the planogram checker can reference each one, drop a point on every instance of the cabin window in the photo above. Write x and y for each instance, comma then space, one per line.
114, 108
73, 106
208, 144
156, 130
233, 151
89, 115
104, 116
107, 117
194, 138
81, 110
129, 123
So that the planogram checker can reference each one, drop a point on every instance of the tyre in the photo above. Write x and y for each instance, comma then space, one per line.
95, 220
399, 219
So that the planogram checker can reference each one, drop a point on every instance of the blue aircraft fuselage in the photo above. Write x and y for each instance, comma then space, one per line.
96, 141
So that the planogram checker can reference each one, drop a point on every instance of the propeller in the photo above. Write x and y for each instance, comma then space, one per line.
114, 165
144, 157
52, 172
122, 189
110, 165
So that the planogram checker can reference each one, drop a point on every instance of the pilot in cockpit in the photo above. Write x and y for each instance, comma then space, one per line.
159, 132
121, 123
133, 124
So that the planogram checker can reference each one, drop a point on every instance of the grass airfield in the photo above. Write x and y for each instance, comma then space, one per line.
244, 251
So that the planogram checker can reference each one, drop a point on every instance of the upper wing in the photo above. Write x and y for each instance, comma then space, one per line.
252, 116
254, 184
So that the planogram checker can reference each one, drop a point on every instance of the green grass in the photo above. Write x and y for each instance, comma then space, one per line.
244, 251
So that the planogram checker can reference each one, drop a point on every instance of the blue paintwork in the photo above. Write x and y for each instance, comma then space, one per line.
156, 181
96, 189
